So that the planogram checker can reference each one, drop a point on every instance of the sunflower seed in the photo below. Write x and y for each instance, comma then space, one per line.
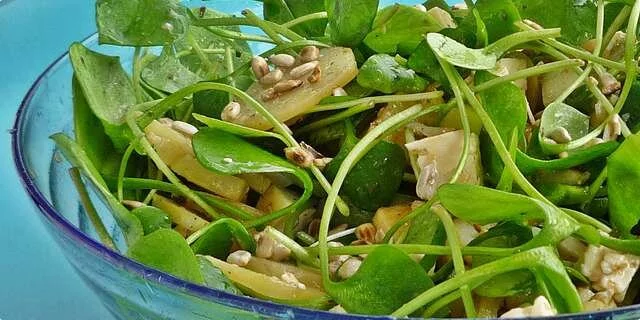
316, 75
420, 7
231, 111
259, 66
272, 77
286, 86
183, 127
268, 94
303, 70
309, 53
339, 92
282, 60
560, 135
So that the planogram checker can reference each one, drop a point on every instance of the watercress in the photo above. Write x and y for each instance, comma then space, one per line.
140, 22
623, 180
346, 28
383, 73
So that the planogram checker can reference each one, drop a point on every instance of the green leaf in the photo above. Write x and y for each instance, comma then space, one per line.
88, 130
507, 107
623, 171
282, 11
576, 18
214, 278
424, 61
210, 102
529, 165
140, 22
386, 280
107, 89
345, 27
498, 16
208, 40
217, 238
383, 73
167, 74
476, 204
504, 235
375, 179
236, 129
228, 154
558, 115
459, 55
426, 228
399, 29
631, 110
167, 251
152, 219
128, 223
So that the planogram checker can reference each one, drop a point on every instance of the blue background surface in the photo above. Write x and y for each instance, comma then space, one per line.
36, 282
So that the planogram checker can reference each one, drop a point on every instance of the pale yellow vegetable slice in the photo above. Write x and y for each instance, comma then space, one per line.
257, 181
186, 221
176, 151
271, 288
274, 268
273, 199
338, 67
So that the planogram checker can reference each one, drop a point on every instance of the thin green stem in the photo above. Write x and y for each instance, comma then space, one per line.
441, 303
209, 67
228, 59
302, 19
123, 168
424, 208
358, 151
617, 23
421, 249
237, 21
586, 219
334, 118
504, 44
232, 208
606, 104
413, 159
574, 85
266, 28
237, 35
599, 28
595, 186
456, 256
450, 73
529, 72
184, 53
578, 53
90, 210
136, 74
376, 100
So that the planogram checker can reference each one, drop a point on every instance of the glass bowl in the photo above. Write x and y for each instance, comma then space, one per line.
128, 289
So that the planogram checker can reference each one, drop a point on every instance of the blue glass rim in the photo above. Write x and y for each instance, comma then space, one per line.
246, 303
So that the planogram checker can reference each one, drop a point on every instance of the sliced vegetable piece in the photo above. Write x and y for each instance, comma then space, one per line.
179, 215
337, 68
270, 288
307, 276
176, 151
438, 157
214, 278
166, 250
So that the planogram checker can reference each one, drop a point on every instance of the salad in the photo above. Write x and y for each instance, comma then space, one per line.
476, 160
